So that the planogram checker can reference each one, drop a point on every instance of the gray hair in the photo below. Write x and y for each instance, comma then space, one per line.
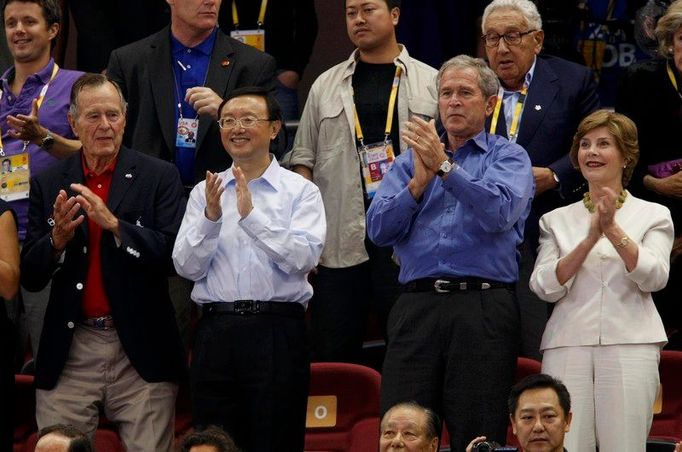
433, 422
527, 9
666, 27
487, 80
89, 80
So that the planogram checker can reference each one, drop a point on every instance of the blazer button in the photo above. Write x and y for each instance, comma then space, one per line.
79, 286
70, 325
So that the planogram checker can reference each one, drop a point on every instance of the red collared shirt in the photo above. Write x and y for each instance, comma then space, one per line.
95, 300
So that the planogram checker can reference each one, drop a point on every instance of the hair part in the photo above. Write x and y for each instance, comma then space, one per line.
624, 132
487, 80
666, 27
527, 9
433, 423
89, 81
210, 436
539, 381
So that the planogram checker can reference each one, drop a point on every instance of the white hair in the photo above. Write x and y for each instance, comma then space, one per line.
527, 9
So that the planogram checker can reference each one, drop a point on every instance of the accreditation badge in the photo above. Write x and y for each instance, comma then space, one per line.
186, 136
376, 159
254, 38
15, 177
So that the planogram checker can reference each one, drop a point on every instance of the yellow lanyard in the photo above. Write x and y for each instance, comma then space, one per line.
671, 76
514, 129
41, 96
261, 15
389, 115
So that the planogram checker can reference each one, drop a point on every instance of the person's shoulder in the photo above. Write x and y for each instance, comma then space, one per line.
294, 181
247, 52
649, 209
71, 74
646, 69
502, 146
153, 166
331, 76
564, 212
134, 48
563, 68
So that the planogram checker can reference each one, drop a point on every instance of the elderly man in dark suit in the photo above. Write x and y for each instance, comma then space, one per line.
540, 103
102, 224
175, 80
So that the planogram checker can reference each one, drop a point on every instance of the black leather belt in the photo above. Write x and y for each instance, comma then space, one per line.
446, 285
101, 323
243, 307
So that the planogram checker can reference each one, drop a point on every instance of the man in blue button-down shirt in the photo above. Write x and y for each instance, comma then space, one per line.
454, 208
249, 237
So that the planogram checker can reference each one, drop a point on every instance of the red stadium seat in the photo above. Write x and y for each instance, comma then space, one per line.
343, 408
24, 413
668, 423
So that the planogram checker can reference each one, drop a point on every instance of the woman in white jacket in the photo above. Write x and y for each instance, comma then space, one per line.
599, 260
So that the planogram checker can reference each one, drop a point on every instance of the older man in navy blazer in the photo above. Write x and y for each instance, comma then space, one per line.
102, 224
541, 101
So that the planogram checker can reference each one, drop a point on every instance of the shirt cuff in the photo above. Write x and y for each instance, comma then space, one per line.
208, 228
254, 222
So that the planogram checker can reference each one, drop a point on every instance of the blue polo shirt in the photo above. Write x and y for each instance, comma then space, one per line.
190, 67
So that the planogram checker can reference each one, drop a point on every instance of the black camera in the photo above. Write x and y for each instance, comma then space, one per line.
491, 446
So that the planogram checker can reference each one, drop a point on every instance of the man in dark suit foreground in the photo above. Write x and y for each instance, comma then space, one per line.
102, 225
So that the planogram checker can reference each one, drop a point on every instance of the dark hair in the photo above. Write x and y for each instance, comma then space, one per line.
539, 381
92, 81
433, 423
52, 12
79, 441
390, 3
274, 109
210, 436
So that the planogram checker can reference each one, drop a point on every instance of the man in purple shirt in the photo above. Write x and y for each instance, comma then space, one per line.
33, 106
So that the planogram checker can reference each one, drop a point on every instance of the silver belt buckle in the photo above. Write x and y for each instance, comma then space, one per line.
438, 286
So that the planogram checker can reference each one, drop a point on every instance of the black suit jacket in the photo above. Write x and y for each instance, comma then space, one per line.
146, 195
561, 94
144, 72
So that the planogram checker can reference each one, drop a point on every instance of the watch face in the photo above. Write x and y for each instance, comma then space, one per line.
446, 166
47, 143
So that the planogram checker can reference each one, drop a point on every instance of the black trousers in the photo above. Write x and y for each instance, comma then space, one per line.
456, 354
342, 302
250, 375
7, 348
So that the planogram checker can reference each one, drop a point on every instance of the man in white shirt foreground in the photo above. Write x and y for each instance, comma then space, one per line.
249, 237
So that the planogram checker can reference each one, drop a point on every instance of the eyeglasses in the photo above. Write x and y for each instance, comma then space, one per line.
246, 122
513, 38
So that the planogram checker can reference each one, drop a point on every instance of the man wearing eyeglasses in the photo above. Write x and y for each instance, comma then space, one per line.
249, 237
540, 103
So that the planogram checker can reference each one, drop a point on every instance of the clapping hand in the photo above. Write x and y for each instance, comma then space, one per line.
214, 190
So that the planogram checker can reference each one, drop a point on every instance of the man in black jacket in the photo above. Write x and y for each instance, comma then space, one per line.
102, 224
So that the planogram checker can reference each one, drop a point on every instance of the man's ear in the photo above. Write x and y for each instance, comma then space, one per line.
72, 123
569, 418
539, 37
513, 424
490, 105
395, 16
276, 126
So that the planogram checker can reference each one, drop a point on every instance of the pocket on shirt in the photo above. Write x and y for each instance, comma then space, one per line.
333, 132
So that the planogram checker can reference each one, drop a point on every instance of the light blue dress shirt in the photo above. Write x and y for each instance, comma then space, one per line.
466, 225
265, 256
511, 98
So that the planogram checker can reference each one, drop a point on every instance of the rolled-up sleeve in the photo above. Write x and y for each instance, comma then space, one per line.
653, 262
543, 280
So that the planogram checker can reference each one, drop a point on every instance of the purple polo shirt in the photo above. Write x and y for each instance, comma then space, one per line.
52, 115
